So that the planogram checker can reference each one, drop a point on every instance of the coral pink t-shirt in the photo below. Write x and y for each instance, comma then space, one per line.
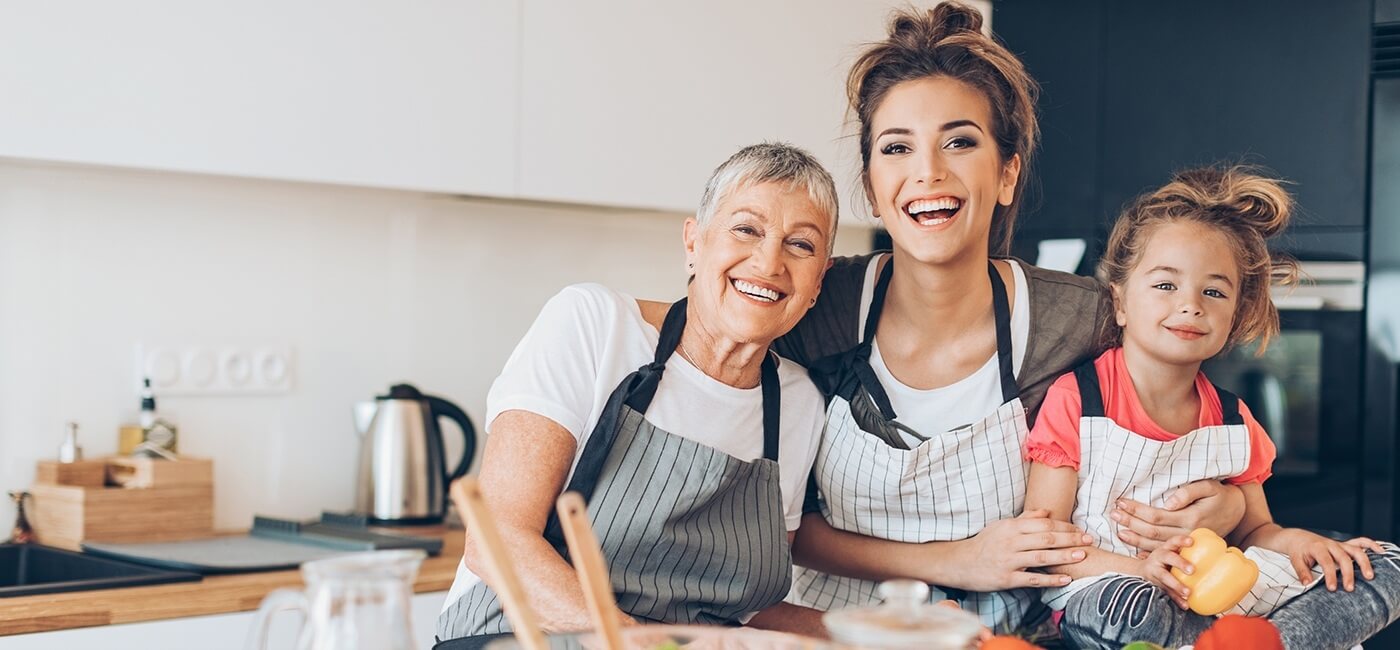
1054, 440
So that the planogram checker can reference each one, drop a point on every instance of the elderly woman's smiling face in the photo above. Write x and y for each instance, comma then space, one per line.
758, 261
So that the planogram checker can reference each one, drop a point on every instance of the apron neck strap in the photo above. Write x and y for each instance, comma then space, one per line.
1001, 310
648, 377
772, 405
1090, 395
644, 381
1229, 406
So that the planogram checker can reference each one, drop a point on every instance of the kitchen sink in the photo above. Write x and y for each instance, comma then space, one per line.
29, 569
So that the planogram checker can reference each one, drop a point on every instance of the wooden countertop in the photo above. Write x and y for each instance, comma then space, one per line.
218, 594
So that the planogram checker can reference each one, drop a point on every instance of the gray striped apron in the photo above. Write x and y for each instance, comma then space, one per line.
690, 534
1119, 463
948, 487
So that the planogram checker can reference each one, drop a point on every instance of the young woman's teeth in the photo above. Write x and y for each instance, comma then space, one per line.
931, 212
754, 291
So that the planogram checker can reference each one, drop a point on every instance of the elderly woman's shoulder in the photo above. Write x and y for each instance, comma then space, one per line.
588, 299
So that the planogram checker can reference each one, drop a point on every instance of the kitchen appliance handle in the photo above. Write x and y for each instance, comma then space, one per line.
443, 408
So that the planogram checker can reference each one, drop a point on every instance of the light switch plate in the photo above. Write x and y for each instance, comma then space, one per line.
261, 368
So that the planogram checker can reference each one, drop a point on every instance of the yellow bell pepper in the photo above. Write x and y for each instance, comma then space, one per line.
1221, 576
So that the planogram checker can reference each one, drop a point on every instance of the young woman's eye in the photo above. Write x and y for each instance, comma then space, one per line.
894, 148
1215, 293
961, 142
1164, 286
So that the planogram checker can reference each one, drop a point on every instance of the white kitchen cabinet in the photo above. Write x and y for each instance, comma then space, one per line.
416, 95
634, 102
220, 632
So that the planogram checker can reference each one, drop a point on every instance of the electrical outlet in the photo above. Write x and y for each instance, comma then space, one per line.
262, 368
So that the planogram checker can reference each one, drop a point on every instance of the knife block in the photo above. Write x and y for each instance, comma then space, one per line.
163, 501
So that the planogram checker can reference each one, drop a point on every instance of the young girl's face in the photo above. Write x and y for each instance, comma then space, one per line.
935, 174
1178, 304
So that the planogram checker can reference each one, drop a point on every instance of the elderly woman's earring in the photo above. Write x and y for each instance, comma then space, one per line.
814, 303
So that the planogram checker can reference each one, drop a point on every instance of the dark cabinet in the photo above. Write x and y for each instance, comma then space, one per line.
1135, 90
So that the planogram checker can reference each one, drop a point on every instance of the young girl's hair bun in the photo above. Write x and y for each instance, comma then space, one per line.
1237, 193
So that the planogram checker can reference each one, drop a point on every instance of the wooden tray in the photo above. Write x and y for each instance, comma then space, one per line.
66, 515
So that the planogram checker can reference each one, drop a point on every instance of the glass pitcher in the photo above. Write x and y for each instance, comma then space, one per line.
352, 602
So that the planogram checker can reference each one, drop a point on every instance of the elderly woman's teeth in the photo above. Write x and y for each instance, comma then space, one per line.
930, 212
754, 291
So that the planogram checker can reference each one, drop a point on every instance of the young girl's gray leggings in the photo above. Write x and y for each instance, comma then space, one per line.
1119, 610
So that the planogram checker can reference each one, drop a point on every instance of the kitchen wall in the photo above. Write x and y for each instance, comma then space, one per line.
368, 287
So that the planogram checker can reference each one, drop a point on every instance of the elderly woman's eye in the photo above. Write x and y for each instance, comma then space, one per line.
745, 230
894, 148
803, 245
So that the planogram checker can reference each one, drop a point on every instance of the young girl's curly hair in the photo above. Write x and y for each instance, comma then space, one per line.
1237, 201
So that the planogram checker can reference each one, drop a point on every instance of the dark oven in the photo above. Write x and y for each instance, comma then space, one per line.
1306, 391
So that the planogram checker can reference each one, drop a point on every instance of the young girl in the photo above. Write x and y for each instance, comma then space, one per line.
1189, 273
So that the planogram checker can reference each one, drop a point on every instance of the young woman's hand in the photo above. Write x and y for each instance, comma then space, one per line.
997, 557
1307, 550
1158, 564
1203, 504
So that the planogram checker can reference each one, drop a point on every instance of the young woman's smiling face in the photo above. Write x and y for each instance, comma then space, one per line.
935, 175
1178, 304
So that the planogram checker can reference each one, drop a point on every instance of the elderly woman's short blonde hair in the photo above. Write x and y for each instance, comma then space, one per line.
772, 162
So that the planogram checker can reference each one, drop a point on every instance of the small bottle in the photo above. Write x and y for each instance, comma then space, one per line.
151, 428
69, 451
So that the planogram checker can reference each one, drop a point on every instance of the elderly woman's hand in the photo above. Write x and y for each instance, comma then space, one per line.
1203, 504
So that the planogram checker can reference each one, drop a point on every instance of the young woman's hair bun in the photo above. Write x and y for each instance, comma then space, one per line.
916, 30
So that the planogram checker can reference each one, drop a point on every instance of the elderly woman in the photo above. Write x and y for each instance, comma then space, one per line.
690, 440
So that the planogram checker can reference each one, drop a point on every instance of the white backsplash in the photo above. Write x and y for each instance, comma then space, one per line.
369, 287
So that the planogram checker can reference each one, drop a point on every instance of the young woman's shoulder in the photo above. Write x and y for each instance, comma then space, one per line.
1067, 312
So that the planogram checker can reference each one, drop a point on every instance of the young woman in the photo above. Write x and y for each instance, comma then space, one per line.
933, 357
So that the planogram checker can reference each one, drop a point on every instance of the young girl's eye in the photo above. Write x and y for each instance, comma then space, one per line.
1164, 286
1215, 293
894, 148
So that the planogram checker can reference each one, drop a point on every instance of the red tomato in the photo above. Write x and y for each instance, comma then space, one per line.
1007, 643
1235, 632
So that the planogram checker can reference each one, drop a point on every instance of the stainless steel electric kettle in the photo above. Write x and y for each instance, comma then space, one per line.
403, 474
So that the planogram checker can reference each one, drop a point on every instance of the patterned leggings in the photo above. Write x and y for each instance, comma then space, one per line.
1119, 610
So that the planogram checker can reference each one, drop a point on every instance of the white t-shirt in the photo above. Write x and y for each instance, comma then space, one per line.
964, 402
588, 338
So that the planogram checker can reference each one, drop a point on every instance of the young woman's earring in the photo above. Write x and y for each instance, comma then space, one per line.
814, 303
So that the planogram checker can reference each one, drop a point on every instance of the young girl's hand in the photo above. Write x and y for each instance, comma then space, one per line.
1157, 567
1307, 549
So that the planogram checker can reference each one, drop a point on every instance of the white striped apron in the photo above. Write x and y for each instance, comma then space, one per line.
947, 488
1116, 463
690, 534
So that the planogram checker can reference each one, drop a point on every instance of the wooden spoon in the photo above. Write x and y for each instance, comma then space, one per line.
466, 494
592, 569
